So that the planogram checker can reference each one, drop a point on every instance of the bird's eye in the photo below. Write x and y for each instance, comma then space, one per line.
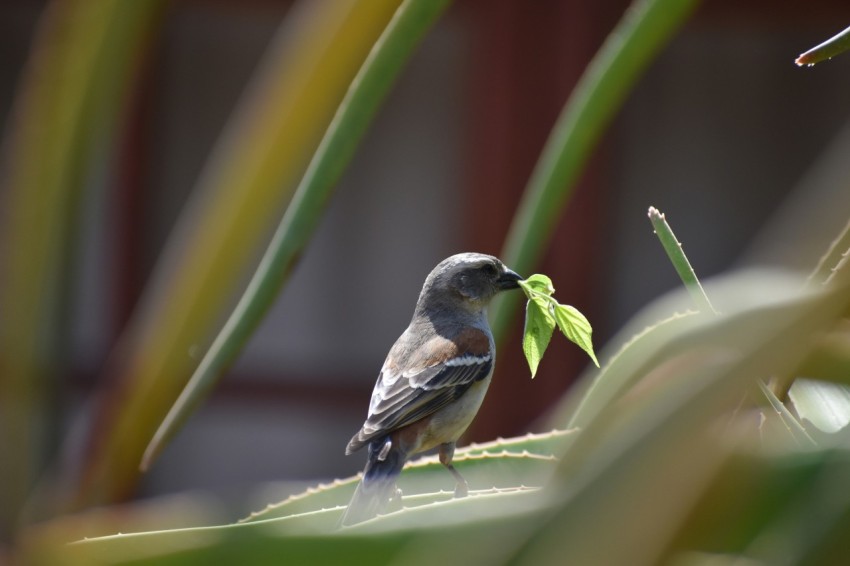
489, 270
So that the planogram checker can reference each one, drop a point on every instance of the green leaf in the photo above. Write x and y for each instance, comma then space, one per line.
542, 313
538, 282
826, 50
643, 31
545, 305
825, 405
539, 326
680, 262
369, 87
576, 328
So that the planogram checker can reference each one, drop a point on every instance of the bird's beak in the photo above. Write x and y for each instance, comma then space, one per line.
508, 280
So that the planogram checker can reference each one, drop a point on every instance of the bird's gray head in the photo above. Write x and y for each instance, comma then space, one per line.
467, 280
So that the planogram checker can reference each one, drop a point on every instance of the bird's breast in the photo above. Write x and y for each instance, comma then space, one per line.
447, 424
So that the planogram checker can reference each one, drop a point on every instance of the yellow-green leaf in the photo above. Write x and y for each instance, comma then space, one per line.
576, 328
539, 326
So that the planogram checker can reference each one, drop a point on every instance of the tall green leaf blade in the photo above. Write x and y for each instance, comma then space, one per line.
392, 50
679, 260
641, 33
825, 405
84, 58
248, 179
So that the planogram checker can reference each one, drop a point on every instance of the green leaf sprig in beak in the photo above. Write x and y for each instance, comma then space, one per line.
542, 314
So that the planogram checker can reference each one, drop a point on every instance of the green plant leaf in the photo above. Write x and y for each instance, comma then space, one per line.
613, 381
426, 480
539, 325
792, 425
826, 50
540, 283
408, 26
679, 260
576, 328
643, 31
69, 105
246, 181
543, 312
825, 405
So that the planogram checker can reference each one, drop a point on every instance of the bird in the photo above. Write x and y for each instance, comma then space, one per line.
433, 380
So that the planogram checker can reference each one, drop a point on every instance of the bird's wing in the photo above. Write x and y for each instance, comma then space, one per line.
409, 392
415, 397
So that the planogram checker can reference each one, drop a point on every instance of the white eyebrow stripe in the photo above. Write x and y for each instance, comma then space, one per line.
468, 360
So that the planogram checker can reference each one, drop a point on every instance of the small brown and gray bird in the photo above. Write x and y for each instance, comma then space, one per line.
433, 380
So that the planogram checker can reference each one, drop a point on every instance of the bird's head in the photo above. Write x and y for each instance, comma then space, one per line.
468, 280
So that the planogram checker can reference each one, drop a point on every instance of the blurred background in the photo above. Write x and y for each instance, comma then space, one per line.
724, 134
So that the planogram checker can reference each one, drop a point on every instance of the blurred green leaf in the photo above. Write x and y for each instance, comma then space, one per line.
809, 526
666, 468
373, 81
793, 427
830, 357
680, 262
825, 405
641, 464
85, 57
641, 33
748, 492
246, 182
616, 378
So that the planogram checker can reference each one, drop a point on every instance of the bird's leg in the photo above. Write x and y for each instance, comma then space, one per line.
447, 452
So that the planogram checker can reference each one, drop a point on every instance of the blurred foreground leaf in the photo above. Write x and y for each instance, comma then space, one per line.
825, 405
84, 58
373, 81
246, 182
668, 464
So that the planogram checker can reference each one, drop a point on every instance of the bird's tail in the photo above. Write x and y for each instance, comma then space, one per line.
377, 487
